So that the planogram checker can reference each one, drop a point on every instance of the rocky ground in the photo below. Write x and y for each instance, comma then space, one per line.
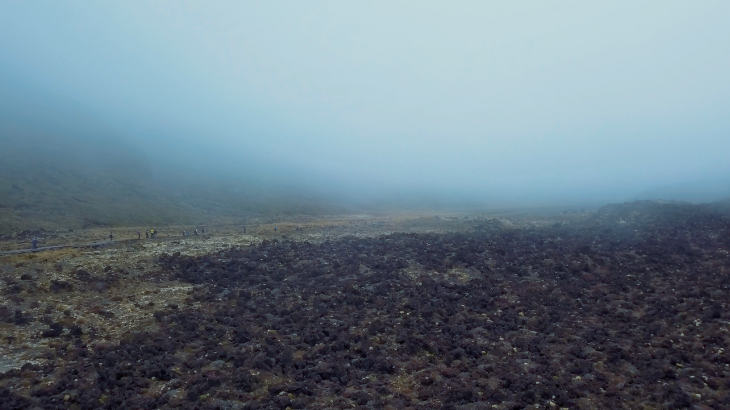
625, 307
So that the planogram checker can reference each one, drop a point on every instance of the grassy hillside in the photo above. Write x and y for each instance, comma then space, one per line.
56, 196
63, 168
54, 193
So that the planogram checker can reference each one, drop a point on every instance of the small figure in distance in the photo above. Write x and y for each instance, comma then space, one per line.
111, 237
34, 241
275, 229
202, 231
139, 234
196, 231
244, 229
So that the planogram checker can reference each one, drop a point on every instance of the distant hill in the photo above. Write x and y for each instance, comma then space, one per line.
708, 190
70, 183
58, 180
62, 168
65, 191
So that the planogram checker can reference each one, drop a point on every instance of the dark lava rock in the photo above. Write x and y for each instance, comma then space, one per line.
60, 286
626, 309
75, 330
84, 275
55, 330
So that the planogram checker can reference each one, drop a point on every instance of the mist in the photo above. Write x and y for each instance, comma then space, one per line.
364, 204
469, 104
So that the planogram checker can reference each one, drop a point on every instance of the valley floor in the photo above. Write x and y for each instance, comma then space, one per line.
625, 307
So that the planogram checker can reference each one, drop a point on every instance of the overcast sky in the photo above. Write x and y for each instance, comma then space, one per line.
517, 100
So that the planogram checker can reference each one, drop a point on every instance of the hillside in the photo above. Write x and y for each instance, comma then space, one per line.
53, 192
61, 172
62, 167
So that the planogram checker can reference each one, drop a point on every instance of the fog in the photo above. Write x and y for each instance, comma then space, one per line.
477, 103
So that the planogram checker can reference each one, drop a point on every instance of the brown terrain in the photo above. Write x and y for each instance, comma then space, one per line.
624, 307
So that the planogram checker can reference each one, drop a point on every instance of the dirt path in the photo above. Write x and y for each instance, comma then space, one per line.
98, 244
56, 247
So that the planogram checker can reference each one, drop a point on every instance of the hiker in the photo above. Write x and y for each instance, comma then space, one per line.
35, 243
111, 237
139, 234
196, 232
275, 229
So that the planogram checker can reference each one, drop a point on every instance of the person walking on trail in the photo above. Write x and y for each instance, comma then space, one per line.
146, 234
139, 234
34, 241
111, 237
196, 231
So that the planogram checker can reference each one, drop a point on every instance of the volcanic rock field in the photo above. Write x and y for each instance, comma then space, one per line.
625, 308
